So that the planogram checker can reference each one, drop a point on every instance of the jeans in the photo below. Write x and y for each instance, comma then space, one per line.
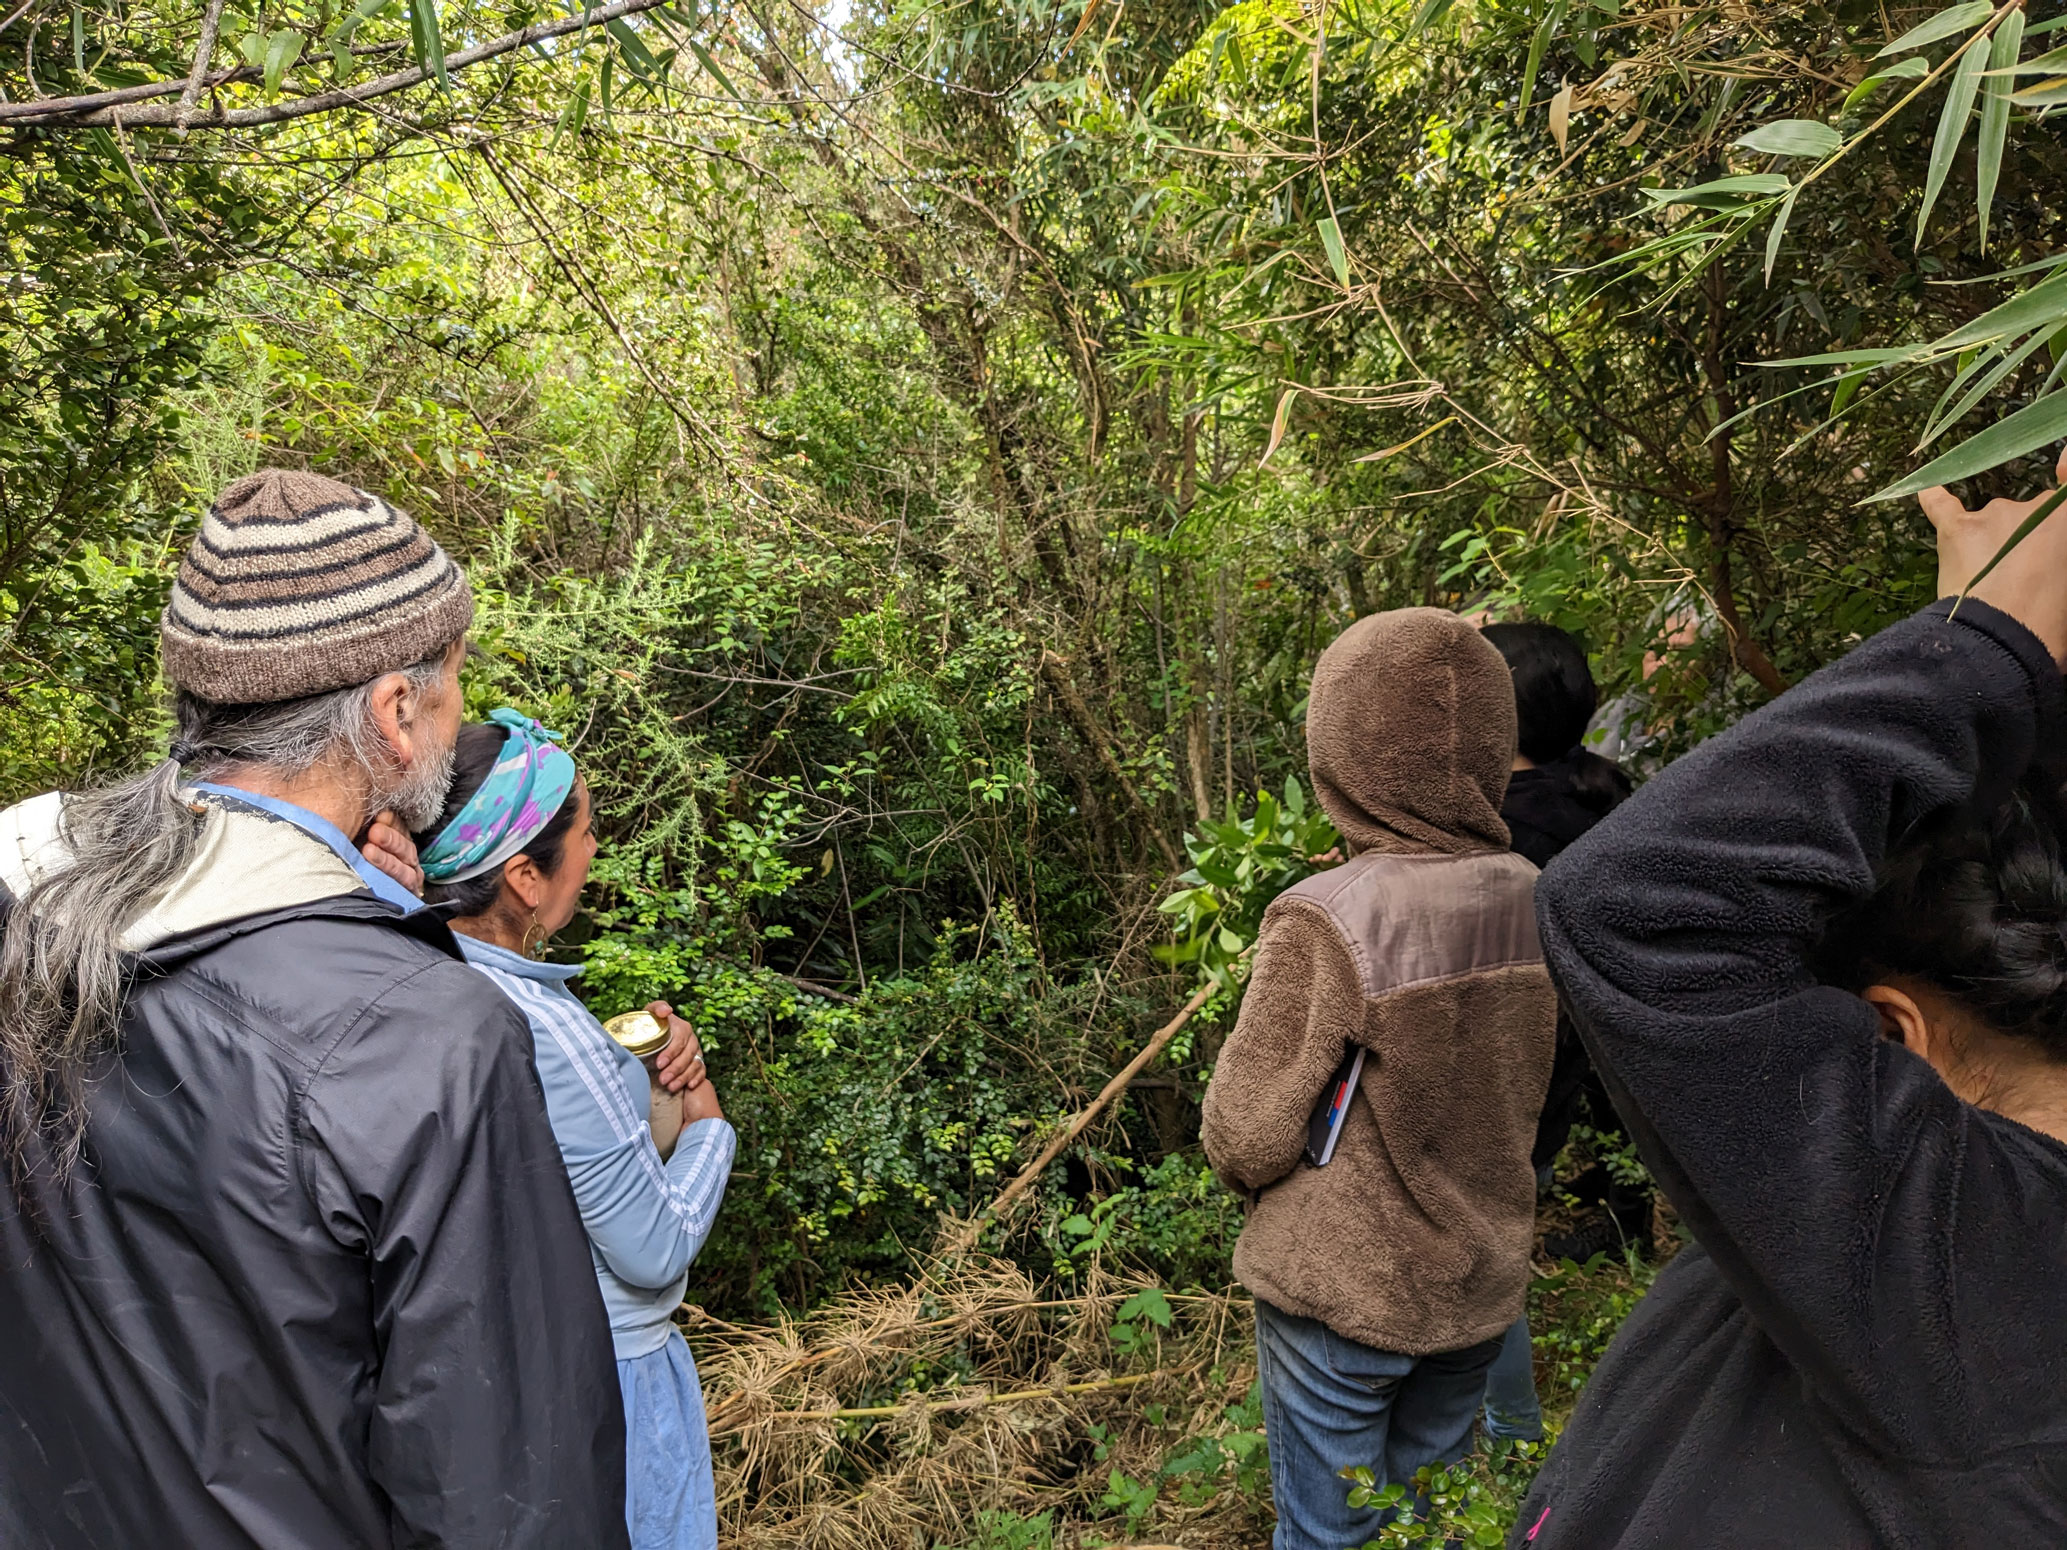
1512, 1411
1330, 1404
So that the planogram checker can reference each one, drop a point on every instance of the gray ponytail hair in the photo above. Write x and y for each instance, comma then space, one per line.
63, 973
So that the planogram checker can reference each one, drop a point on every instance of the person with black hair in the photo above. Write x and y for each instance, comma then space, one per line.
509, 855
1557, 792
1821, 964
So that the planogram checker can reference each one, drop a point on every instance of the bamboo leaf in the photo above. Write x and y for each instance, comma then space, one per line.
2028, 429
1430, 13
1847, 385
1957, 18
710, 65
2052, 63
1913, 68
2003, 49
637, 57
1881, 357
1792, 137
575, 114
2046, 94
427, 41
1561, 116
1779, 230
1984, 383
1278, 423
1537, 44
1723, 193
1952, 128
1338, 258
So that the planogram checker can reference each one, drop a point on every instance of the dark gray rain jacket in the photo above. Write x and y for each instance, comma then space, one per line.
319, 1282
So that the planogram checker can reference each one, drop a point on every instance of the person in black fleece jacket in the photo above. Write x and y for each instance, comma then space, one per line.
1822, 965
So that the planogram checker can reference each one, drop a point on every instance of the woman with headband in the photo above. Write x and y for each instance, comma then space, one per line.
511, 851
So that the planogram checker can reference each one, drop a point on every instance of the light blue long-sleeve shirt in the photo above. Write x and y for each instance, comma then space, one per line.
646, 1219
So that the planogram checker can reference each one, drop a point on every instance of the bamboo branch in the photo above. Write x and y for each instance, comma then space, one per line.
102, 110
966, 1239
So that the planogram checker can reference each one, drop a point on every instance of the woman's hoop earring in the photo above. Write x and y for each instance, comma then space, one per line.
543, 935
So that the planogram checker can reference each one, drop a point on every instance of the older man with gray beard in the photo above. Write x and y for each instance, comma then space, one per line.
289, 1256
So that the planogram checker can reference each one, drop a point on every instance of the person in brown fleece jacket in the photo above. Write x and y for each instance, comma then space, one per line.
1384, 1280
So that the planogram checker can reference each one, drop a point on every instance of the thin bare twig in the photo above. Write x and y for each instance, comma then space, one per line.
204, 51
97, 111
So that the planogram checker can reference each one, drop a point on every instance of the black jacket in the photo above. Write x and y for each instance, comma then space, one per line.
320, 1282
1867, 1344
1546, 808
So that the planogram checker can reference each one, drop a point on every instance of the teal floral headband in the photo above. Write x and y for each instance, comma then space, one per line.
527, 786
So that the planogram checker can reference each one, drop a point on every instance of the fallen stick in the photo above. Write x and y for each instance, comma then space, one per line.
877, 1412
966, 1239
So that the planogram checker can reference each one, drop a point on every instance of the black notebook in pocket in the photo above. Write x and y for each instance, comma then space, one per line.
1325, 1128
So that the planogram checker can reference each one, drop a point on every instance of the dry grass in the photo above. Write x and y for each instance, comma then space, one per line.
891, 1418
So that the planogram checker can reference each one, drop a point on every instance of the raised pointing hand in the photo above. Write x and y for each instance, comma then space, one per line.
2030, 585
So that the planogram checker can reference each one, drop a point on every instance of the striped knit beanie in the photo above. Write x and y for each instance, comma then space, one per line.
298, 585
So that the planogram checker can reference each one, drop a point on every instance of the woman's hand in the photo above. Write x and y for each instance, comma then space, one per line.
701, 1102
680, 1066
2030, 585
389, 847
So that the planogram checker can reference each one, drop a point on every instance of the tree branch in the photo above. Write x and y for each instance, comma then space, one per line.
103, 110
204, 51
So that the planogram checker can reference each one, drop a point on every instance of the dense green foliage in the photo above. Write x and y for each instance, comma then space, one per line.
917, 452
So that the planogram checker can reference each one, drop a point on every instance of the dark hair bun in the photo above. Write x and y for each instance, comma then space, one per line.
1977, 909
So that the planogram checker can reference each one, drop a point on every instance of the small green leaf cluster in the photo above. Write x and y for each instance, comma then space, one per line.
1238, 866
1470, 1503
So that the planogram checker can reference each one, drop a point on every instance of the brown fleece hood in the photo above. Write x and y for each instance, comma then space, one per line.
1410, 734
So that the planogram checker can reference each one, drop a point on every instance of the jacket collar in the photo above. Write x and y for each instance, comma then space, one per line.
426, 925
381, 885
489, 956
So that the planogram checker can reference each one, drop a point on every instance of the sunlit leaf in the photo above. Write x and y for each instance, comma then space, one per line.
1957, 18
1952, 128
2025, 431
1561, 116
1847, 386
1338, 257
1792, 137
1278, 423
1428, 14
1995, 116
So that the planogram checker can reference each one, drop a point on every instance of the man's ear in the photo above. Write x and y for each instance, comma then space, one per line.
395, 711
1901, 1019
